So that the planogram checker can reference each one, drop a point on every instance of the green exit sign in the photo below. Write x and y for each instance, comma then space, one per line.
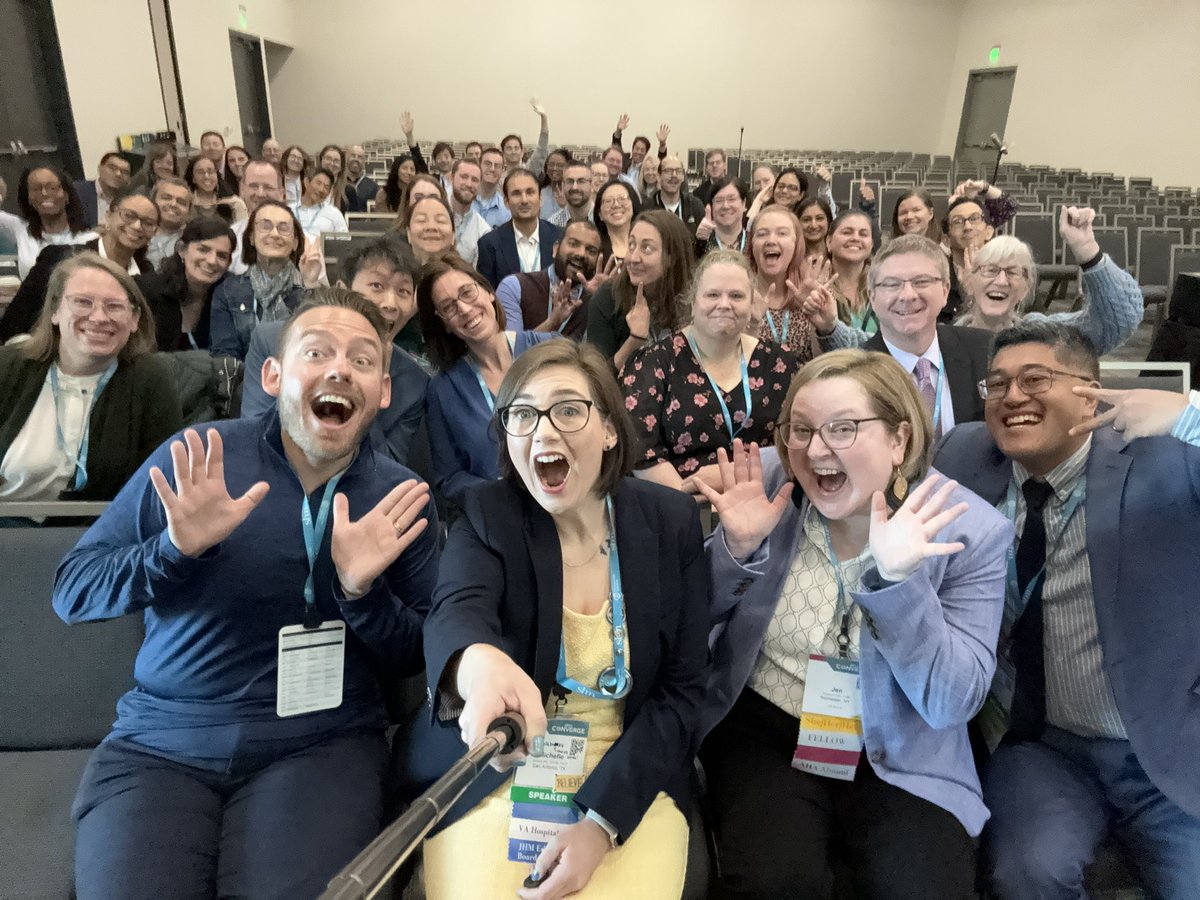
994, 56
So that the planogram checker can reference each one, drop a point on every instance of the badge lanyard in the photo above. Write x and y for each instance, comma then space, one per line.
776, 333
614, 682
741, 241
733, 432
842, 614
1021, 600
80, 460
488, 397
314, 534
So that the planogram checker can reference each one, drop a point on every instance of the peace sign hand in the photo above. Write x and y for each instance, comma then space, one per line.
747, 516
1139, 413
312, 262
200, 513
901, 543
562, 304
363, 550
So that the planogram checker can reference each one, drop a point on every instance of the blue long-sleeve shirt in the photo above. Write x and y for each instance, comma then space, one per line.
206, 672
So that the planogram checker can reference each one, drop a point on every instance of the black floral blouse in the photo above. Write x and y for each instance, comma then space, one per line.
674, 411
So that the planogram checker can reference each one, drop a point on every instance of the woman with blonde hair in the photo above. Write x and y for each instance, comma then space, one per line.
85, 401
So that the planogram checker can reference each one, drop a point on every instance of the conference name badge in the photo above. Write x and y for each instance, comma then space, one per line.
312, 663
993, 717
543, 789
831, 736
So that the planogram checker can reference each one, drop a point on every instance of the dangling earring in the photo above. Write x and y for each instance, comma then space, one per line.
899, 486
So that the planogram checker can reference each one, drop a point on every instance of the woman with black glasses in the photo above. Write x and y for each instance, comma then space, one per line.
576, 596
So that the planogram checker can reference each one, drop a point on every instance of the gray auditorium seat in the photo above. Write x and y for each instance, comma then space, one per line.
57, 702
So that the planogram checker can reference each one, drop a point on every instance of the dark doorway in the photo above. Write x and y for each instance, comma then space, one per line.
36, 124
250, 78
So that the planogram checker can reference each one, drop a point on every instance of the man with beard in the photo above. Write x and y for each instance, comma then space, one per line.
556, 297
523, 244
359, 187
278, 570
469, 225
577, 191
112, 178
673, 197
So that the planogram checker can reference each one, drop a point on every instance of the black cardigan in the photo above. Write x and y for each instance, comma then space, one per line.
136, 412
165, 292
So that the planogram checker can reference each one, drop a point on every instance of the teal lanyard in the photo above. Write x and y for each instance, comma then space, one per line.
81, 459
741, 241
1019, 599
488, 397
733, 432
775, 333
842, 613
314, 534
614, 682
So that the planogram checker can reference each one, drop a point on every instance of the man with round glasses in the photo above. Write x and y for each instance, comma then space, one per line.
908, 284
1094, 714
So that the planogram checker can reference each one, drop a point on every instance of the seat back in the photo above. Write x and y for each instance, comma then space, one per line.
1162, 376
1154, 254
1037, 230
61, 682
1114, 241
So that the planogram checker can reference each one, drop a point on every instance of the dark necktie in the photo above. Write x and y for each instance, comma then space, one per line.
1028, 717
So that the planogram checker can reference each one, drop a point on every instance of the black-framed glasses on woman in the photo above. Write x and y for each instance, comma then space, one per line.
568, 416
838, 434
1031, 380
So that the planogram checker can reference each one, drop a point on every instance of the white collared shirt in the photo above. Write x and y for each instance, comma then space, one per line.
134, 268
933, 353
528, 250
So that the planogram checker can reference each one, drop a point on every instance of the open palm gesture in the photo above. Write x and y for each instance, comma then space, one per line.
747, 514
200, 513
901, 543
363, 550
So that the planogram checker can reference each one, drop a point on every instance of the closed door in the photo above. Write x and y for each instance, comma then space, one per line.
984, 113
36, 124
251, 83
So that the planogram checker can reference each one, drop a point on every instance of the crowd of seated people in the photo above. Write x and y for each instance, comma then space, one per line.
939, 641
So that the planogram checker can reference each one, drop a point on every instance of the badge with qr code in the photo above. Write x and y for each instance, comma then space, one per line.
543, 789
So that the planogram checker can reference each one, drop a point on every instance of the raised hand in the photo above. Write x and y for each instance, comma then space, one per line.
814, 272
491, 684
707, 226
1139, 413
747, 515
312, 263
865, 191
901, 543
638, 317
200, 513
406, 126
363, 550
568, 861
1075, 226
603, 274
622, 124
537, 107
562, 305
664, 131
824, 174
820, 308
560, 194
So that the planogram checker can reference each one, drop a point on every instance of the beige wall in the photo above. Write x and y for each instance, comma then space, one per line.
112, 73
795, 73
1102, 85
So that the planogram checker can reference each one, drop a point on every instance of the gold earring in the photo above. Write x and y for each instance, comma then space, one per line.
899, 486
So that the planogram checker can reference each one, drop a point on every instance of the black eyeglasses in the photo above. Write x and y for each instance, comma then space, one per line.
1033, 380
838, 434
568, 416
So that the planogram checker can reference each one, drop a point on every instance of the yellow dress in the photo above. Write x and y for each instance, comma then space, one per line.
469, 859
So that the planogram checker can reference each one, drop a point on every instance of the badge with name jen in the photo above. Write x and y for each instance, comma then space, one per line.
830, 740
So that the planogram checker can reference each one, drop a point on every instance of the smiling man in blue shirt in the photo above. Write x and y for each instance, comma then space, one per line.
278, 570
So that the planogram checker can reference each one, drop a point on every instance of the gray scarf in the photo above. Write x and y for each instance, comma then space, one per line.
270, 291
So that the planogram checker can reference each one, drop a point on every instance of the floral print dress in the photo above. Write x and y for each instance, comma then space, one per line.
675, 412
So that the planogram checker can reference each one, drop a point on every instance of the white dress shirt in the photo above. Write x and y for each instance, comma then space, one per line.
933, 353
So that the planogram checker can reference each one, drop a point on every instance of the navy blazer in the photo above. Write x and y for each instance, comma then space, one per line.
498, 250
500, 583
1141, 511
965, 352
927, 645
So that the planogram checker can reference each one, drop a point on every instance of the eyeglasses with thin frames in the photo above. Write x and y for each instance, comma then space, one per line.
266, 226
84, 306
128, 217
1032, 381
567, 416
957, 222
448, 310
838, 434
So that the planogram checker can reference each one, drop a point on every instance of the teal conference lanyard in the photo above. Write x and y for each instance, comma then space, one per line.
313, 535
842, 614
775, 333
1010, 511
615, 682
80, 460
488, 397
733, 432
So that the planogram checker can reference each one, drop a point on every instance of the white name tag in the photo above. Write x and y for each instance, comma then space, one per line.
830, 740
543, 789
312, 664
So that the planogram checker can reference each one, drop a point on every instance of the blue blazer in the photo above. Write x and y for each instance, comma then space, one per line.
462, 438
1141, 512
928, 646
498, 250
500, 583
395, 425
